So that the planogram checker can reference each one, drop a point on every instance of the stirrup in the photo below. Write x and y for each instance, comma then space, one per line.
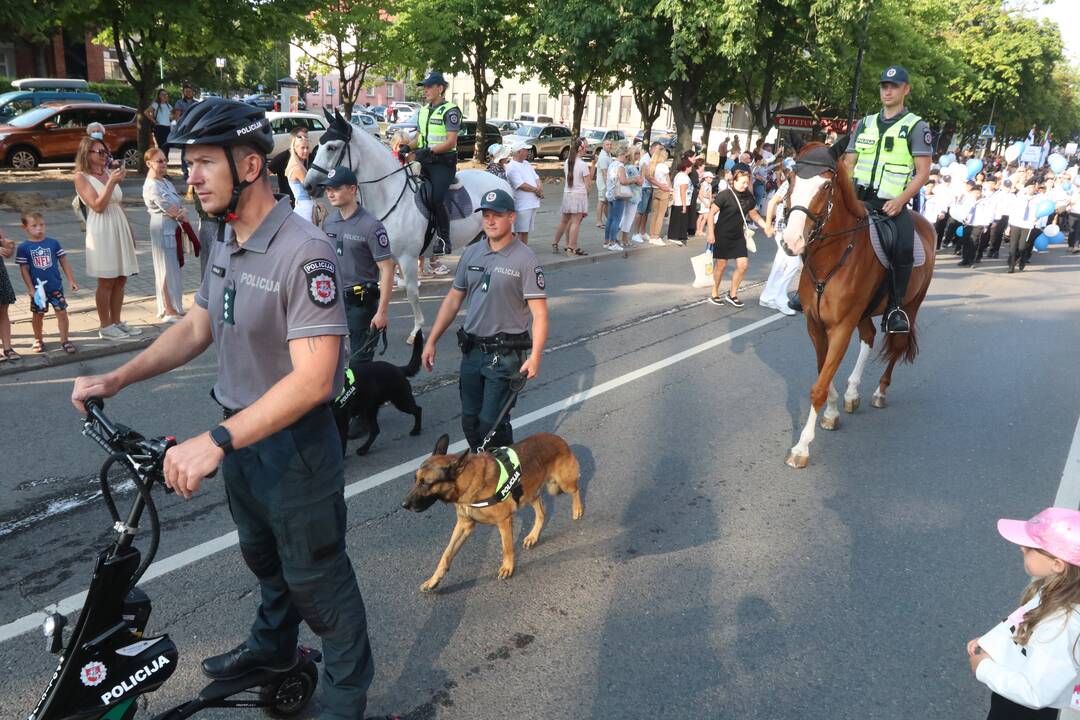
888, 315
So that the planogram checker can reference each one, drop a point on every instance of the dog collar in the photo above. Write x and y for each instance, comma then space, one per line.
509, 478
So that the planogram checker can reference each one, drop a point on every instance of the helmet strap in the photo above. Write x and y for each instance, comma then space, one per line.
238, 187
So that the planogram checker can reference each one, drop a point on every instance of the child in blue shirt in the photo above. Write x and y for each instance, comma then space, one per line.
40, 259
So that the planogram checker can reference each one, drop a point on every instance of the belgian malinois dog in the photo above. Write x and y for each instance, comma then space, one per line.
470, 478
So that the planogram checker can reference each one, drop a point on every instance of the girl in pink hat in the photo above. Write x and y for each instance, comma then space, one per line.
1029, 661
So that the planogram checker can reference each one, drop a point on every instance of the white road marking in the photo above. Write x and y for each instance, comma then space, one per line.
199, 552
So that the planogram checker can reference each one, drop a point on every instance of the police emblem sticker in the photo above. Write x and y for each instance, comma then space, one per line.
93, 674
322, 288
539, 271
490, 197
331, 173
382, 238
891, 72
928, 138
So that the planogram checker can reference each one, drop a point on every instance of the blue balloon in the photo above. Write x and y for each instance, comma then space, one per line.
974, 167
1044, 208
1067, 187
728, 164
1057, 163
1041, 243
959, 231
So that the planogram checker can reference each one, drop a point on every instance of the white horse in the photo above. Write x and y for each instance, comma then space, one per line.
388, 191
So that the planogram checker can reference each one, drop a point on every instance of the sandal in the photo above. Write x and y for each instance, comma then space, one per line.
555, 248
37, 347
10, 354
68, 348
579, 251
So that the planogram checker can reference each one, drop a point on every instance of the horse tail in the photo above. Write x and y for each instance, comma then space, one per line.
901, 347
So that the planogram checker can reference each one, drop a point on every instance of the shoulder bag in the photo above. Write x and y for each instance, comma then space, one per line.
748, 234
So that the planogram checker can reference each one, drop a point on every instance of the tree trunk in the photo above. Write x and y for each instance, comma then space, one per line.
649, 106
683, 99
579, 94
706, 129
480, 98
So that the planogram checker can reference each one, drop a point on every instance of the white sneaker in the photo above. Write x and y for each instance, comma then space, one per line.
785, 309
656, 241
398, 282
172, 318
638, 239
111, 332
128, 330
680, 243
766, 304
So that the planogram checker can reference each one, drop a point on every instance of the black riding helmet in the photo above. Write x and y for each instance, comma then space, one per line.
226, 123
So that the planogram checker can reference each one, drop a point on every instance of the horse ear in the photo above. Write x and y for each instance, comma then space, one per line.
839, 147
329, 117
796, 140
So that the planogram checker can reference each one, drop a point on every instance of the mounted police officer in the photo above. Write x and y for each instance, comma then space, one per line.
890, 153
502, 285
438, 124
365, 263
270, 303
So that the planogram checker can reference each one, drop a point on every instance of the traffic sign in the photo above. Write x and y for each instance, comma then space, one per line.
988, 131
220, 62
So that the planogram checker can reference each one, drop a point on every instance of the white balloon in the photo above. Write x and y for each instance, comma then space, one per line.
1051, 231
1012, 153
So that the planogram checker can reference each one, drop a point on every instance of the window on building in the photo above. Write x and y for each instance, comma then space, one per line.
466, 104
456, 100
7, 59
493, 106
525, 103
371, 91
390, 94
511, 105
541, 104
624, 109
564, 111
603, 110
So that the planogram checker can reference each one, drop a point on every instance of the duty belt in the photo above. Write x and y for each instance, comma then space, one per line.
362, 294
501, 341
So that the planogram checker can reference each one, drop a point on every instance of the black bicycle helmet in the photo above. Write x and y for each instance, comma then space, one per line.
216, 121
225, 123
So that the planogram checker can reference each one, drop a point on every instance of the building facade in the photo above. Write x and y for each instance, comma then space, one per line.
61, 56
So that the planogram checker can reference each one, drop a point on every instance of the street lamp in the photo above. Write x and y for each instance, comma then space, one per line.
853, 107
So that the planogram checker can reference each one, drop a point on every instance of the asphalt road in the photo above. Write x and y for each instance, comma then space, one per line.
705, 580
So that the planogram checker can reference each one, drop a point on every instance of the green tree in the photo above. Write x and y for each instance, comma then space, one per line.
647, 61
486, 40
573, 49
352, 38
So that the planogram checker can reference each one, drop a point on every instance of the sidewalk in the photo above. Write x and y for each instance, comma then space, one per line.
140, 307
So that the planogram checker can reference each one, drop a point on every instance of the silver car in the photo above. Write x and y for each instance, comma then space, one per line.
596, 136
367, 122
541, 139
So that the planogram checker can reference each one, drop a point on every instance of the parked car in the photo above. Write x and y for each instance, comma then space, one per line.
368, 123
596, 136
541, 140
405, 106
376, 111
31, 92
530, 118
282, 123
506, 127
52, 133
407, 125
262, 100
665, 138
466, 142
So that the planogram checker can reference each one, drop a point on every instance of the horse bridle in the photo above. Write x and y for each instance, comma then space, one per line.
346, 154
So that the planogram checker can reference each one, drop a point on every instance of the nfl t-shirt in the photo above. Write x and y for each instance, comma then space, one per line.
43, 261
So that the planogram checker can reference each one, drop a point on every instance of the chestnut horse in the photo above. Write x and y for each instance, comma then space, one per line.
842, 284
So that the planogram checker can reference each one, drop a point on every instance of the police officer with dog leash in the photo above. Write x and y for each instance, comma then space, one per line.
890, 153
435, 146
270, 303
501, 283
364, 262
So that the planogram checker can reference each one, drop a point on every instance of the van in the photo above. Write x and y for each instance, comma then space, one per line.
31, 92
530, 118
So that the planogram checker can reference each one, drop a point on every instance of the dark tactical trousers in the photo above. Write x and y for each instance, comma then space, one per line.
359, 319
286, 495
485, 385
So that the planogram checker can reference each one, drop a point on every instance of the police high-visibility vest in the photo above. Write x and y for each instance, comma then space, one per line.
431, 126
884, 161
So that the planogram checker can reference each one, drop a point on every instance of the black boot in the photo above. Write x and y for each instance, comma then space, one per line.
240, 661
896, 320
795, 302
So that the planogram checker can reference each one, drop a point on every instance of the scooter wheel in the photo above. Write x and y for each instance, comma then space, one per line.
288, 695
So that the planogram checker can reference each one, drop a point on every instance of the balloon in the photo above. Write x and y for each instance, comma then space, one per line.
728, 164
1012, 153
1057, 163
1067, 186
974, 167
1044, 208
1051, 231
960, 231
1041, 243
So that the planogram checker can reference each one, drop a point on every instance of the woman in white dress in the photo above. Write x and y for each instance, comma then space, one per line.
295, 172
166, 212
110, 246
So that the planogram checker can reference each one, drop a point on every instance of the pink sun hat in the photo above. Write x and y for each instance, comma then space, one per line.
1055, 530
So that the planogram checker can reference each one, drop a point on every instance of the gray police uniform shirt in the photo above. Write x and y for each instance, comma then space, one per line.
360, 241
920, 140
282, 284
498, 286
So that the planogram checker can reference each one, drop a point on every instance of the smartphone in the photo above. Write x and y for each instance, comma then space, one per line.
112, 164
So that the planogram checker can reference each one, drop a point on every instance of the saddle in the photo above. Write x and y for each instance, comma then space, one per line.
883, 238
458, 206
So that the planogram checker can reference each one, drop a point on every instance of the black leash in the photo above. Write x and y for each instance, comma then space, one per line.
517, 384
371, 344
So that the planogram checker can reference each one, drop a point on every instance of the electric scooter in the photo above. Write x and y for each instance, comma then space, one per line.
109, 660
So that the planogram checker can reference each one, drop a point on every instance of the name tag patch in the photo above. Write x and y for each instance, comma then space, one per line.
217, 270
322, 287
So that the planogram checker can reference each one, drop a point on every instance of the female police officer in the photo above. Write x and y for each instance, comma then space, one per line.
270, 302
502, 282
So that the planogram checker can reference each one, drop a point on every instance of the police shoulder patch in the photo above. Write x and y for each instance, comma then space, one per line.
381, 237
539, 271
321, 283
928, 138
453, 117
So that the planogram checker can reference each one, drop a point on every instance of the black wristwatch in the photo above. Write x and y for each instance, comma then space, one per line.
222, 438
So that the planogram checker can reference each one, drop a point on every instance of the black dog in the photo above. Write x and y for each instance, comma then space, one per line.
373, 384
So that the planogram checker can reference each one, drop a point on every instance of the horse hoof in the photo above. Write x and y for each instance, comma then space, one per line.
830, 423
878, 401
851, 406
797, 461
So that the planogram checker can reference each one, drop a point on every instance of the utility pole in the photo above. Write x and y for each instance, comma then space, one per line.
853, 107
